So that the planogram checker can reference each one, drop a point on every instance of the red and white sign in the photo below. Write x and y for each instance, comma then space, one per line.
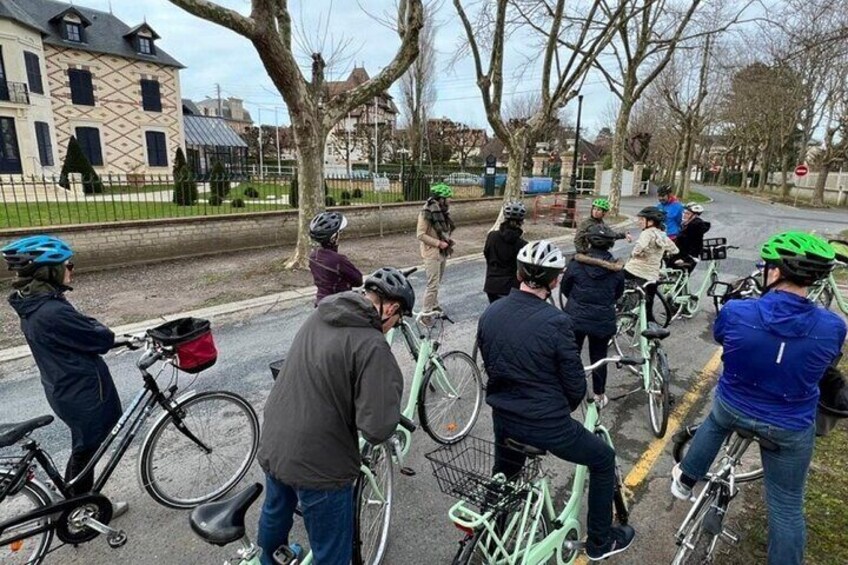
801, 170
715, 169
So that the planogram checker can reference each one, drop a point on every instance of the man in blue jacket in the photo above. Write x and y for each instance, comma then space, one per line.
673, 210
536, 380
776, 350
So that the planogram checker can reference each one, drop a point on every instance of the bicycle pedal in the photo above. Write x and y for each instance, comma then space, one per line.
117, 540
408, 471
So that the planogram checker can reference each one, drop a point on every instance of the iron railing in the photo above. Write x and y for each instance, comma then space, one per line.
15, 92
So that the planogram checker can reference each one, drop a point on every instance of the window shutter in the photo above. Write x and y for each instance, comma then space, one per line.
33, 70
45, 147
151, 98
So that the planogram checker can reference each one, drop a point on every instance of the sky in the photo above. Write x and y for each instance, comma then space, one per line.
217, 56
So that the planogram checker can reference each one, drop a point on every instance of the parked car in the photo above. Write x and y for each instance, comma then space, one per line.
500, 180
462, 179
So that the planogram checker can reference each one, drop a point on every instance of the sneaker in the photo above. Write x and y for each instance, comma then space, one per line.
678, 489
620, 538
601, 400
119, 509
288, 554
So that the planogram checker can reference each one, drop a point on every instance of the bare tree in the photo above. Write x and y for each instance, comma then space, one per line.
418, 86
312, 110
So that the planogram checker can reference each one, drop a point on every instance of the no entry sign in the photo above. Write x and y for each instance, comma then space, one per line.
801, 170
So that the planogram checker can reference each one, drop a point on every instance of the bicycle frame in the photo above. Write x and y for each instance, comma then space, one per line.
830, 284
680, 293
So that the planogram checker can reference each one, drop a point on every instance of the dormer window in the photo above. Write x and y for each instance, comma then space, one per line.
145, 45
73, 31
142, 38
71, 24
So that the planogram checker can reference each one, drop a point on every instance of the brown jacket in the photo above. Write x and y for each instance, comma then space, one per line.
428, 235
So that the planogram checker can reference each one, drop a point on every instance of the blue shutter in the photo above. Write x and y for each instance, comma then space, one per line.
82, 91
89, 140
157, 149
151, 98
45, 147
33, 70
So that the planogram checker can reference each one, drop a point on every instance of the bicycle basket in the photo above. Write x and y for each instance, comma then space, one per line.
464, 471
192, 341
715, 249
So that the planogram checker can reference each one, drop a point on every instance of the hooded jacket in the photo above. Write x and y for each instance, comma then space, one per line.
776, 350
673, 210
501, 252
592, 291
647, 255
581, 242
690, 240
67, 348
340, 377
332, 272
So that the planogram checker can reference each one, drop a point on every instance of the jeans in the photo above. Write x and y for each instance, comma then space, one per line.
598, 347
572, 442
327, 514
650, 292
435, 271
76, 463
785, 473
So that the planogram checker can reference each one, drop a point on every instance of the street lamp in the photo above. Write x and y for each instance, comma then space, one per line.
571, 202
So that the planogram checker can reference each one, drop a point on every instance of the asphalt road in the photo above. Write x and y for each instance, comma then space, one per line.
421, 532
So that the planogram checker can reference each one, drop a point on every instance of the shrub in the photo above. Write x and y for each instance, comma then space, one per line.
215, 200
185, 188
237, 203
251, 192
346, 195
77, 162
357, 193
218, 182
345, 202
329, 201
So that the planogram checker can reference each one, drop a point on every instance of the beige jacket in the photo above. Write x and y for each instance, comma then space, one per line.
646, 258
428, 237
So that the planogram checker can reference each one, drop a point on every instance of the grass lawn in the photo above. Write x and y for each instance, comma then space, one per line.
265, 189
128, 189
697, 197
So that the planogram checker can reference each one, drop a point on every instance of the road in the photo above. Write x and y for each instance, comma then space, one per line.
421, 532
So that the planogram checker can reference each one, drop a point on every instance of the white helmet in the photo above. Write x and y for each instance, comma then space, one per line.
695, 208
539, 263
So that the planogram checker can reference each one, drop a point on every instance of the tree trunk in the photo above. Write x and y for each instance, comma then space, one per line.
618, 141
722, 175
512, 189
764, 166
688, 155
784, 184
310, 173
821, 182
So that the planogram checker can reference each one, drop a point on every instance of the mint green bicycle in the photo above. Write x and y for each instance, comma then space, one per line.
511, 522
827, 291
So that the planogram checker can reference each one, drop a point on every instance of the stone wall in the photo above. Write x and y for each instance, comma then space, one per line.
124, 243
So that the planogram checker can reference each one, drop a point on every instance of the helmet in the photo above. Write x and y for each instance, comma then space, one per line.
325, 225
652, 213
441, 190
390, 283
539, 263
36, 250
801, 257
664, 190
514, 211
600, 237
695, 208
601, 204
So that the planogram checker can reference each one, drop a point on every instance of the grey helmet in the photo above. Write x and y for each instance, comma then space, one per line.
390, 283
514, 210
325, 225
600, 236
539, 263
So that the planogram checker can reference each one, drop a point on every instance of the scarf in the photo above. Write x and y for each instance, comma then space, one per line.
48, 279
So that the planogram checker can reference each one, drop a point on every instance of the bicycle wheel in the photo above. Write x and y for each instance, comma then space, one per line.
627, 340
825, 297
450, 397
482, 549
373, 509
750, 468
662, 310
177, 472
697, 544
30, 550
478, 361
658, 395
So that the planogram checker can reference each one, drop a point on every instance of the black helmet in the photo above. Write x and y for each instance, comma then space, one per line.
600, 236
664, 190
325, 225
514, 210
390, 283
652, 213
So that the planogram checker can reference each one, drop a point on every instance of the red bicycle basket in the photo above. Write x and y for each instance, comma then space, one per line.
192, 341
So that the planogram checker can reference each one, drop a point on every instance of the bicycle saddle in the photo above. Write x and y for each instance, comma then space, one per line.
765, 443
10, 434
527, 450
221, 523
656, 333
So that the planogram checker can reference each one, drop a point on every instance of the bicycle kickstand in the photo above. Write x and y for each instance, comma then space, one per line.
115, 538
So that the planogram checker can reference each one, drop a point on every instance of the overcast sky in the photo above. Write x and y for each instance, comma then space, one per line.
214, 55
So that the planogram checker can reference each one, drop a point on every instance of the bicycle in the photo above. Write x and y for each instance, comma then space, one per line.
514, 520
827, 290
634, 338
703, 526
219, 428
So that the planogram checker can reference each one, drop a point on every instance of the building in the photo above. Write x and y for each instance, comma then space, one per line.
67, 70
209, 139
231, 109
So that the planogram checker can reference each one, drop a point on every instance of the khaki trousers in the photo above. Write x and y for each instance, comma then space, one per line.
435, 271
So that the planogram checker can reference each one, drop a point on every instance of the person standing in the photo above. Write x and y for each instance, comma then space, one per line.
501, 251
434, 231
332, 272
669, 205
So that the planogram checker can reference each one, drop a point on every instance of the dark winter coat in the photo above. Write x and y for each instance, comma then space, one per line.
535, 373
581, 242
690, 240
501, 252
332, 272
67, 347
592, 291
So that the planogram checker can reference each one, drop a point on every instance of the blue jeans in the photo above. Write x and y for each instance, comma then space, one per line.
327, 514
785, 473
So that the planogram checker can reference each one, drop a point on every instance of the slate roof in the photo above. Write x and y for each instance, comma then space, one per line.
210, 131
190, 108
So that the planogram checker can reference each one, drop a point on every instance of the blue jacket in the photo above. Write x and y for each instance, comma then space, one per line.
776, 350
67, 346
673, 210
535, 373
592, 292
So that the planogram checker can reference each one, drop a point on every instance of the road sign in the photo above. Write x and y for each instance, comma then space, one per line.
801, 170
381, 184
715, 168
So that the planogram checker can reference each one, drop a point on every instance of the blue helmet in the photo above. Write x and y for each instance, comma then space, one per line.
36, 250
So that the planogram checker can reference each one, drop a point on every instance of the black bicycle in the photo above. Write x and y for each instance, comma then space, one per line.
200, 446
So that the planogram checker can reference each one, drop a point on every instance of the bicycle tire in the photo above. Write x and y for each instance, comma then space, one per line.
662, 313
220, 426
680, 448
37, 497
695, 543
825, 298
365, 552
625, 340
659, 409
470, 552
478, 360
431, 390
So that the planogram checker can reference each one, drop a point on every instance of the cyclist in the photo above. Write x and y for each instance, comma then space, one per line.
332, 272
501, 250
776, 350
645, 261
67, 348
592, 291
672, 208
690, 241
600, 207
340, 376
434, 232
536, 380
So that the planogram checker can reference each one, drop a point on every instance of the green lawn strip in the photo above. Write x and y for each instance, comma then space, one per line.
265, 189
697, 197
129, 189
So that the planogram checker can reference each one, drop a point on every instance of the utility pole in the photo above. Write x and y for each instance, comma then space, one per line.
220, 102
376, 139
277, 124
261, 167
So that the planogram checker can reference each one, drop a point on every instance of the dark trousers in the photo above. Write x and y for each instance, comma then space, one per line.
598, 347
571, 442
493, 297
650, 292
76, 463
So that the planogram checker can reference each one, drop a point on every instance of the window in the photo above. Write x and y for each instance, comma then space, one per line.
145, 46
33, 70
45, 148
89, 140
157, 149
151, 99
72, 31
82, 91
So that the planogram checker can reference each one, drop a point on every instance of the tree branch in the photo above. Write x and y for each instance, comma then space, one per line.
214, 13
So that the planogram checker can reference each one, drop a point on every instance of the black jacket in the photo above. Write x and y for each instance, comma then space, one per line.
690, 240
501, 252
535, 372
67, 346
592, 291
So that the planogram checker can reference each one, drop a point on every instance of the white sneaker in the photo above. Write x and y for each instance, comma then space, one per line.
678, 489
601, 400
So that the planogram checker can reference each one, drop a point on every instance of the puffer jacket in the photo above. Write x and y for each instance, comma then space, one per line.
690, 240
776, 350
592, 291
501, 253
535, 372
332, 273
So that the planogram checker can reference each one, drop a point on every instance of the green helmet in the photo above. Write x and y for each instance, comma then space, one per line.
441, 190
801, 257
601, 204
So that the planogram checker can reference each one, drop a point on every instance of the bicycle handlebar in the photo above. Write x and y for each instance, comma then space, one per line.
408, 272
407, 424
